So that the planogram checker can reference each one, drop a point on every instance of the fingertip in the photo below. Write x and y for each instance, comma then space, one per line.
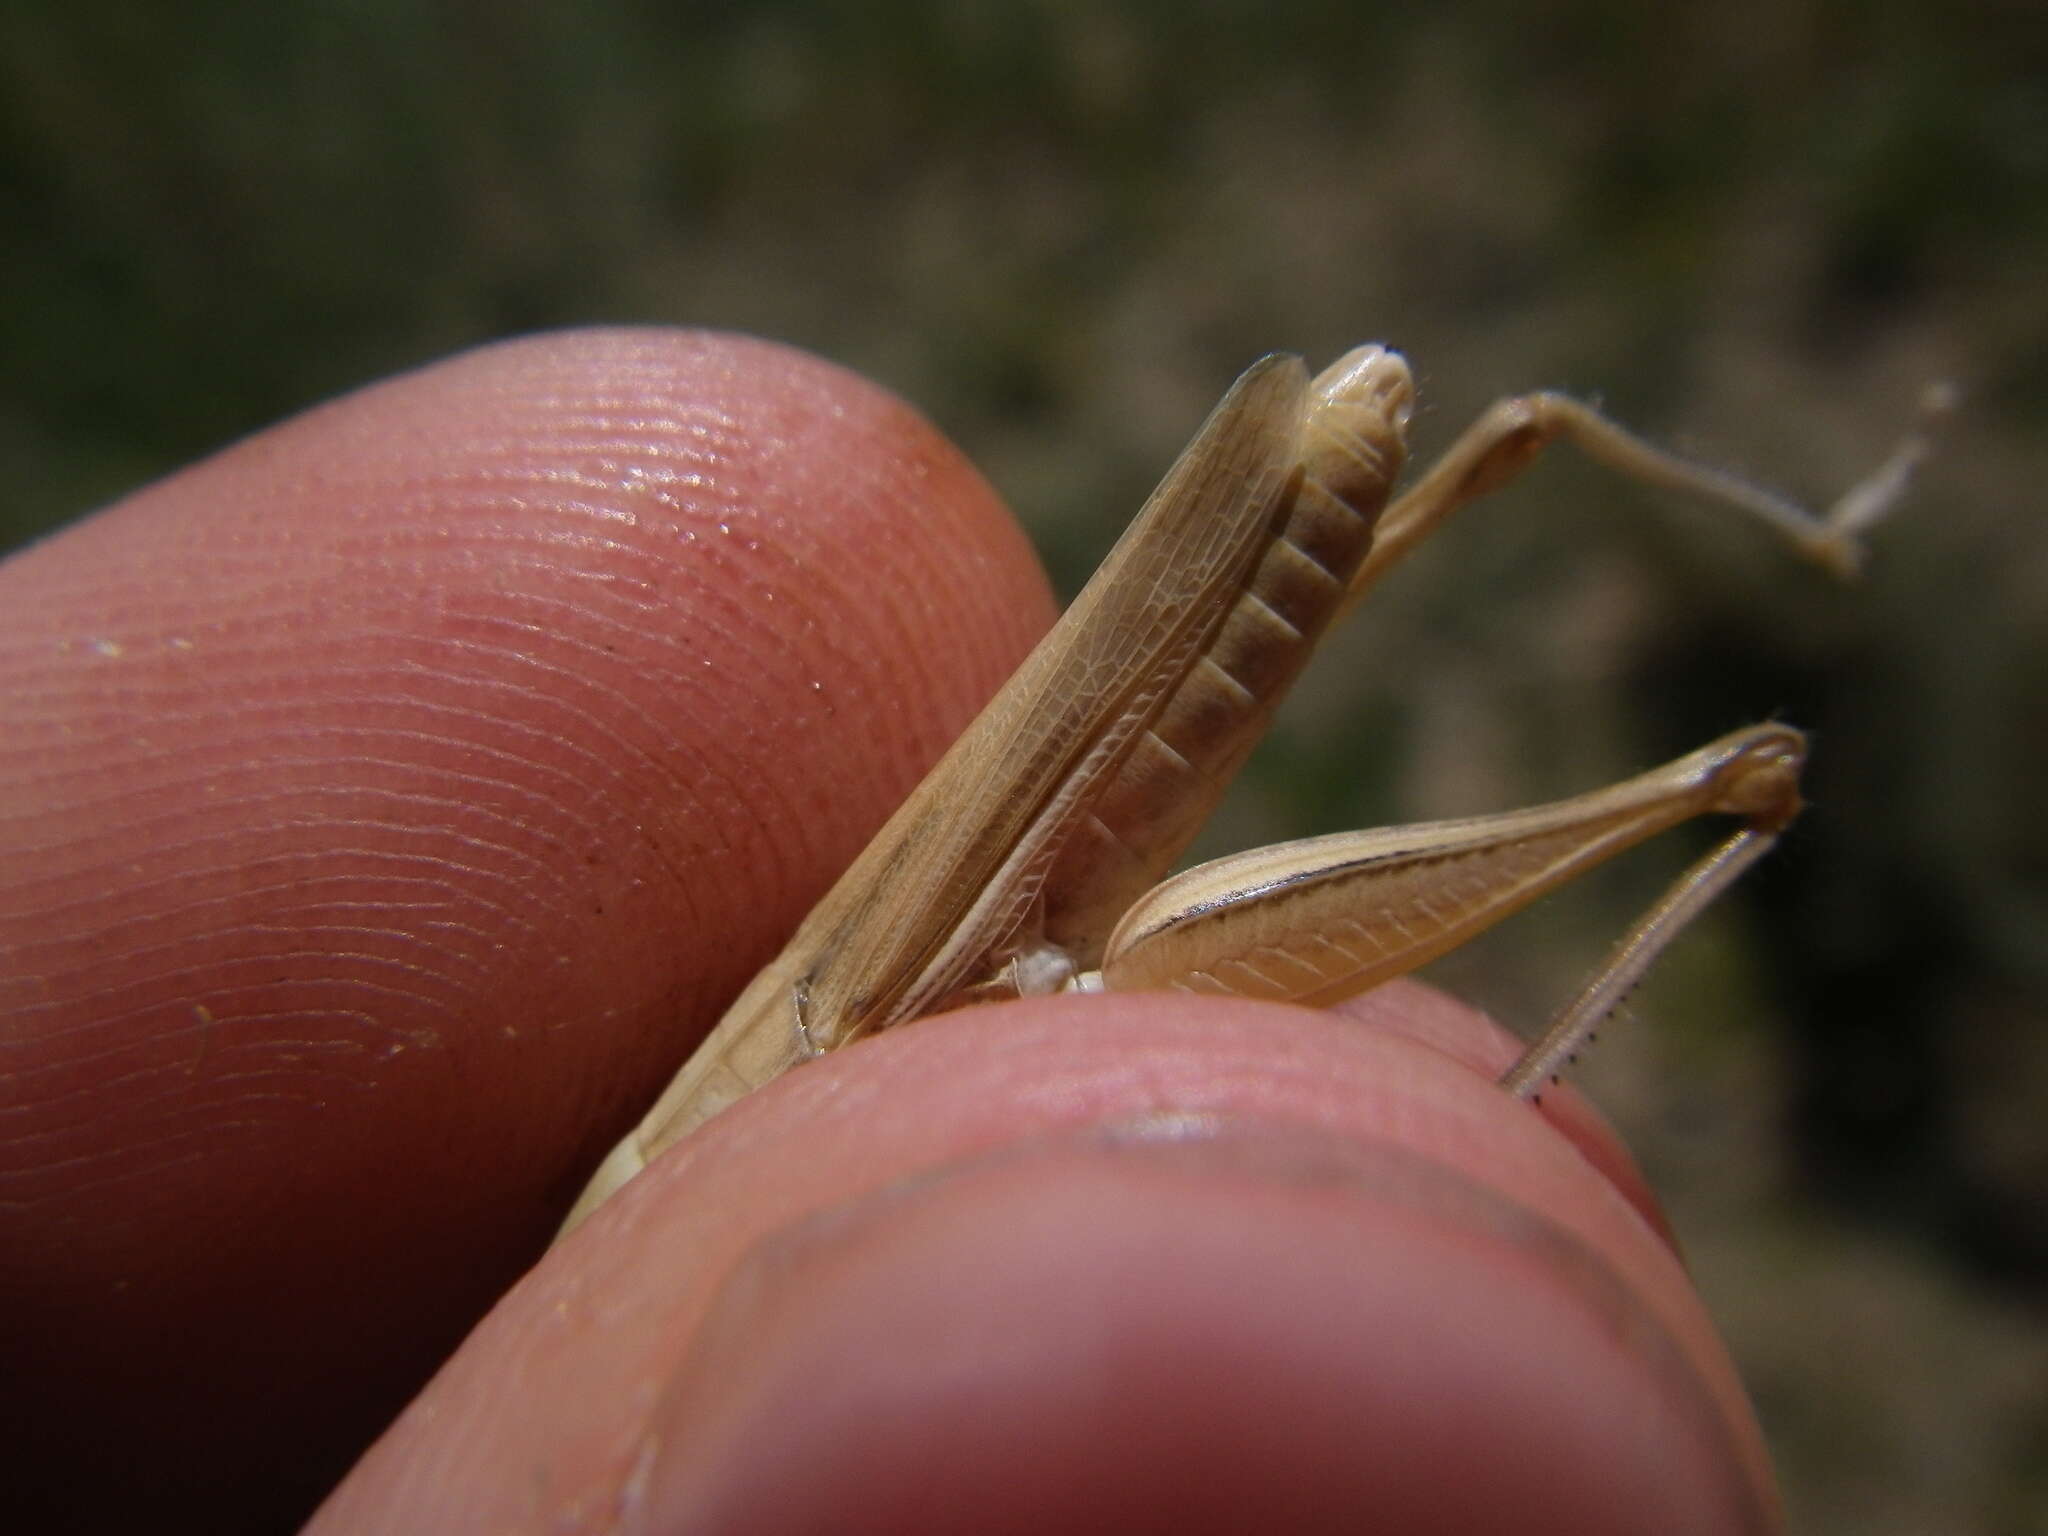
389, 797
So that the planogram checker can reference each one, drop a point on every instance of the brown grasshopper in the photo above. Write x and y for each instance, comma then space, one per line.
1029, 860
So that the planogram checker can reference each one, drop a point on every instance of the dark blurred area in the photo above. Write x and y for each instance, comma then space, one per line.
1754, 230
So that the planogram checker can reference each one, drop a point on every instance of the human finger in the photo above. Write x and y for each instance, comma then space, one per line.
388, 801
1135, 1263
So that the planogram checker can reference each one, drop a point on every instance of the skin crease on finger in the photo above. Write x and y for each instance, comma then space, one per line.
386, 803
1102, 1263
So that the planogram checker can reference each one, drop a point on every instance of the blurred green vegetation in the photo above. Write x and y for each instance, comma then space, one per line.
1754, 228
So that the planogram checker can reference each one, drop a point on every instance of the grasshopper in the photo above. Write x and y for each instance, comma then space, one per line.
1030, 859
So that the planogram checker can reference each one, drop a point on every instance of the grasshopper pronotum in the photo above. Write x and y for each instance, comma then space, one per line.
1029, 860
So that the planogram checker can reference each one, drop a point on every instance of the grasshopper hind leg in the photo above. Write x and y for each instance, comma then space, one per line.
1319, 920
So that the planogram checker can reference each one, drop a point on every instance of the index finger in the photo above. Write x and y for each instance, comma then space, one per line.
388, 801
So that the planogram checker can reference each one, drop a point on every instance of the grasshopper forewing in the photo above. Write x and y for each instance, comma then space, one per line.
1070, 795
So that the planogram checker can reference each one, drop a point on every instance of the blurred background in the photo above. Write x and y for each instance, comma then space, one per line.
1754, 230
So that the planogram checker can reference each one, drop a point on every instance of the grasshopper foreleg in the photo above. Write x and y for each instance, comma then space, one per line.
1510, 435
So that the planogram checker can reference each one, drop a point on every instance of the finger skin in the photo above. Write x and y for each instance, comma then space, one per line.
386, 805
1126, 1263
